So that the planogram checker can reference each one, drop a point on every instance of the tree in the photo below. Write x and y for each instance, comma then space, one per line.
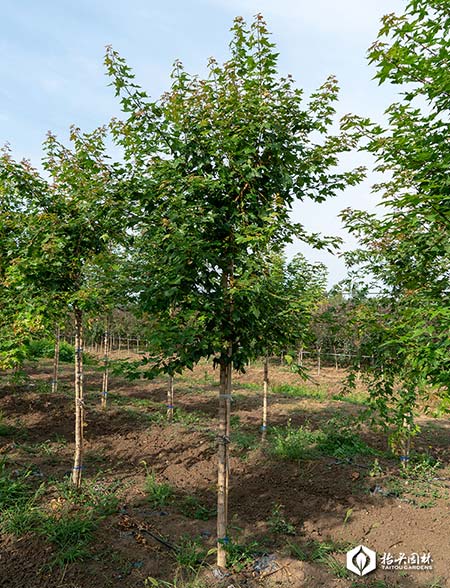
407, 251
290, 292
71, 223
216, 165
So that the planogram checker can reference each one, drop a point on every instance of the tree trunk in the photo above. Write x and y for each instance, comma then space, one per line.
223, 460
79, 404
105, 367
265, 391
300, 357
406, 441
335, 358
170, 399
318, 360
56, 361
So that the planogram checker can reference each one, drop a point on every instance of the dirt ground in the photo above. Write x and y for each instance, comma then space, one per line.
327, 503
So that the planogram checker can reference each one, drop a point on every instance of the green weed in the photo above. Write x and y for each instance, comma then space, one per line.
293, 391
240, 556
278, 522
294, 443
14, 490
245, 441
21, 519
297, 552
158, 494
337, 439
190, 553
192, 508
70, 535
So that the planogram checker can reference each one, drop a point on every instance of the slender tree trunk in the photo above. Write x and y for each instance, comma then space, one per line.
56, 361
335, 358
300, 357
170, 398
265, 392
79, 403
318, 360
223, 460
105, 378
407, 441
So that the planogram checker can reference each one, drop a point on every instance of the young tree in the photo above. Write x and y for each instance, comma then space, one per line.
71, 224
220, 162
290, 292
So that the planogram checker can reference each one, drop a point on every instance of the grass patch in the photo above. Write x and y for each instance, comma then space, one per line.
14, 491
190, 553
292, 443
299, 391
188, 418
322, 552
70, 535
337, 439
69, 531
158, 494
191, 507
245, 441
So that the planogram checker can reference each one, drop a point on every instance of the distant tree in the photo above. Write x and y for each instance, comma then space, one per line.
290, 293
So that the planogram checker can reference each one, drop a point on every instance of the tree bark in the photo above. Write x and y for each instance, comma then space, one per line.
406, 441
170, 399
265, 392
79, 403
105, 367
56, 361
318, 360
223, 460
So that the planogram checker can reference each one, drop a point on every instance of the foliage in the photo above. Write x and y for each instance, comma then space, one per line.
229, 155
406, 251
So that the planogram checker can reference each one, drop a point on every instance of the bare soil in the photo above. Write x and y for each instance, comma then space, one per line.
327, 500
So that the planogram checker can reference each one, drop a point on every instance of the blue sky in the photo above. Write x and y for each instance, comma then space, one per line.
52, 72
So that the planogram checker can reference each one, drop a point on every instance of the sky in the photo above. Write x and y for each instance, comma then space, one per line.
53, 75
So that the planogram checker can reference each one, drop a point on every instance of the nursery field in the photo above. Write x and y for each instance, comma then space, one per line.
316, 487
